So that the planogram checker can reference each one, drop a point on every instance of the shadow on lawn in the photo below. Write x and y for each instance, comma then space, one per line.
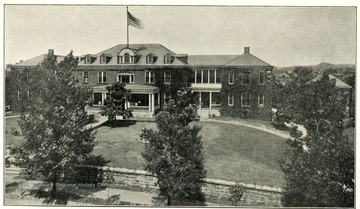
119, 123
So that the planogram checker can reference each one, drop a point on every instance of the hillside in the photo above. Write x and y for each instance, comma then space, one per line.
340, 68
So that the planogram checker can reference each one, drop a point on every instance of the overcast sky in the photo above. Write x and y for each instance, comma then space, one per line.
281, 36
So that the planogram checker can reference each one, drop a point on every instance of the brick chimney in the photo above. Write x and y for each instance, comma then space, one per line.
246, 49
51, 52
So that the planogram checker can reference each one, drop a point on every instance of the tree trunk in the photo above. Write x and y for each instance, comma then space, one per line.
53, 191
168, 200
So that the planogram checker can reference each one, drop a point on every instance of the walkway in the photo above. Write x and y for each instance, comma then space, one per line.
101, 120
277, 133
141, 198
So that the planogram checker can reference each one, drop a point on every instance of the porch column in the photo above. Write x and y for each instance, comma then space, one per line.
103, 98
158, 98
210, 102
150, 103
199, 99
153, 102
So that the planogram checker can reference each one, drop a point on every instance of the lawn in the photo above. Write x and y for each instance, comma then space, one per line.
232, 152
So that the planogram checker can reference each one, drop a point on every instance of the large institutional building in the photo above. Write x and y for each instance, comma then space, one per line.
235, 85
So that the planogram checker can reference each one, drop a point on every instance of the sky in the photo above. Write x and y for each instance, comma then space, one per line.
281, 36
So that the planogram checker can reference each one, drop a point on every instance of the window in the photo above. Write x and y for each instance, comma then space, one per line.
88, 59
230, 99
139, 100
262, 78
149, 77
245, 99
126, 78
126, 58
86, 76
198, 76
167, 59
261, 99
97, 97
103, 59
215, 100
102, 77
231, 78
205, 76
167, 97
218, 76
246, 78
150, 59
167, 77
212, 76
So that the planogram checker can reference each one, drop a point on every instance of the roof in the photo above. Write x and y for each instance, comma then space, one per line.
37, 60
247, 59
338, 83
134, 88
206, 60
142, 49
284, 75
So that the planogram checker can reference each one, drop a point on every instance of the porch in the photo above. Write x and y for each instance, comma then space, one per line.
144, 100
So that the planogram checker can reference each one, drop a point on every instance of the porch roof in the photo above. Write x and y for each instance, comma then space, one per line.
134, 88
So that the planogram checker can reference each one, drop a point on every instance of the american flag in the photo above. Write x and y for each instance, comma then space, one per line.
133, 21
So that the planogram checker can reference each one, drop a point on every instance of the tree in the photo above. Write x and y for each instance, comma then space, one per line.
175, 153
53, 123
115, 101
289, 98
319, 169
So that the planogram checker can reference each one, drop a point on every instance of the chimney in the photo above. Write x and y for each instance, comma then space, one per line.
246, 49
50, 52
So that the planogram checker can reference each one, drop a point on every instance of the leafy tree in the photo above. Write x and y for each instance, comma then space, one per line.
115, 101
289, 98
175, 153
53, 123
319, 169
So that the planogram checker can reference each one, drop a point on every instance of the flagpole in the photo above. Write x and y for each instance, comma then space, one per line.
127, 27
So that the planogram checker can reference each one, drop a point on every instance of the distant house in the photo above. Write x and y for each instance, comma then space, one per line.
344, 90
228, 85
283, 78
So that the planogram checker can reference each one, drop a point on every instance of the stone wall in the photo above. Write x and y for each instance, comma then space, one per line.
216, 191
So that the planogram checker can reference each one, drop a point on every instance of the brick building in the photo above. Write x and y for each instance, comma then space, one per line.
235, 85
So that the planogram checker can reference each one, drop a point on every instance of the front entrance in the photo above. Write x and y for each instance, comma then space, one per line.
209, 103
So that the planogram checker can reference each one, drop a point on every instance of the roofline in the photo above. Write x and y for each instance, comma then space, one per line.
130, 67
251, 55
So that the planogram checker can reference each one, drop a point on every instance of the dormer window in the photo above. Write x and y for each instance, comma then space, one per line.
168, 59
88, 59
151, 58
128, 55
105, 58
126, 58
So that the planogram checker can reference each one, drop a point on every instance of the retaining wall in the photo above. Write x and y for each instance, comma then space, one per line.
216, 191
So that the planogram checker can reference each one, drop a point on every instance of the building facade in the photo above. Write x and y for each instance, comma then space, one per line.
235, 85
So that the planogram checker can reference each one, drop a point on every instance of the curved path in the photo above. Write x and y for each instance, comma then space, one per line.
277, 133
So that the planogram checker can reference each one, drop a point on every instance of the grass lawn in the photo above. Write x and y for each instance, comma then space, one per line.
231, 152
